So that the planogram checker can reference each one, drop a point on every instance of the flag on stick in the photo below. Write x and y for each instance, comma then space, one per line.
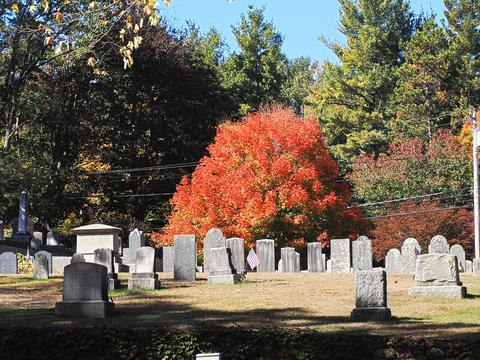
253, 259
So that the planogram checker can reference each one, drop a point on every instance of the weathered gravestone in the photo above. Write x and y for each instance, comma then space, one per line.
185, 258
371, 296
329, 266
49, 259
76, 258
40, 267
476, 267
221, 267
314, 257
168, 254
136, 240
457, 250
410, 250
280, 266
85, 292
362, 254
297, 262
144, 276
8, 263
213, 239
468, 266
393, 261
289, 259
437, 275
237, 247
104, 256
266, 255
340, 255
53, 238
438, 245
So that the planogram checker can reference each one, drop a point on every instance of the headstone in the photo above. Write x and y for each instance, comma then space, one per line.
22, 233
59, 263
85, 292
213, 239
340, 255
437, 275
329, 265
438, 245
144, 276
8, 263
76, 258
49, 259
185, 258
168, 254
38, 235
280, 266
136, 240
476, 267
362, 254
209, 356
371, 296
96, 236
222, 270
468, 266
53, 238
40, 267
104, 256
410, 250
458, 251
288, 259
266, 255
237, 247
315, 257
393, 261
297, 262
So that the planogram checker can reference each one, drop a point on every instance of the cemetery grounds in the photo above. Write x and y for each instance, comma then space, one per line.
247, 320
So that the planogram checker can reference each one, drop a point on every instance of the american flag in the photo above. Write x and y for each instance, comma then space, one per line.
253, 259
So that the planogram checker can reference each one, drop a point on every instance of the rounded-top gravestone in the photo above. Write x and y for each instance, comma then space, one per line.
458, 251
76, 258
49, 259
213, 239
40, 267
410, 250
438, 245
362, 258
145, 260
393, 261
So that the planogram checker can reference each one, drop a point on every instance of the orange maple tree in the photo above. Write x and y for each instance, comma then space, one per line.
268, 175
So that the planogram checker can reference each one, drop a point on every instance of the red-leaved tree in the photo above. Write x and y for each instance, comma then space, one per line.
422, 221
268, 175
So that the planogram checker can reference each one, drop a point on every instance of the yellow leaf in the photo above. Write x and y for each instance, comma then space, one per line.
91, 61
32, 8
103, 21
48, 41
122, 34
93, 5
66, 2
45, 5
41, 26
58, 17
15, 8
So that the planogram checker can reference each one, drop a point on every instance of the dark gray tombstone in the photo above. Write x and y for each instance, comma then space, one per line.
8, 263
362, 258
222, 270
49, 259
168, 254
136, 240
340, 255
104, 256
76, 258
371, 296
266, 255
185, 258
314, 257
40, 267
144, 277
213, 239
85, 292
237, 247
22, 234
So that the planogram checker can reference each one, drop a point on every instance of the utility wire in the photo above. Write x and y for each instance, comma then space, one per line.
419, 212
149, 168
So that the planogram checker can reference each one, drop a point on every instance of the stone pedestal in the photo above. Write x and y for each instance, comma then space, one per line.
456, 292
371, 314
143, 281
223, 279
221, 267
84, 309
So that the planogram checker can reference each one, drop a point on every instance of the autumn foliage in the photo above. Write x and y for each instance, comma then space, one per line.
268, 175
422, 221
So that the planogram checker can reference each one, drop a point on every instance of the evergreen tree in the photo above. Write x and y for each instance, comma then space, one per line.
352, 101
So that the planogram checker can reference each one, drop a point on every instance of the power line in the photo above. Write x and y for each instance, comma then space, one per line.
149, 168
419, 212
120, 195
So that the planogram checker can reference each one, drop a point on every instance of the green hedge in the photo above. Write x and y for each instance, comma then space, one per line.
110, 343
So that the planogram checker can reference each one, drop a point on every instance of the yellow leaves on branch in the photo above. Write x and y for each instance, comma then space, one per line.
127, 57
91, 61
14, 8
58, 17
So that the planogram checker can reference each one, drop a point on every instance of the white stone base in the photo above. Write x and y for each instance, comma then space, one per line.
371, 314
141, 282
223, 279
455, 292
84, 309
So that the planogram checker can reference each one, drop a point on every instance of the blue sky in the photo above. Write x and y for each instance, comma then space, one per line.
301, 22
